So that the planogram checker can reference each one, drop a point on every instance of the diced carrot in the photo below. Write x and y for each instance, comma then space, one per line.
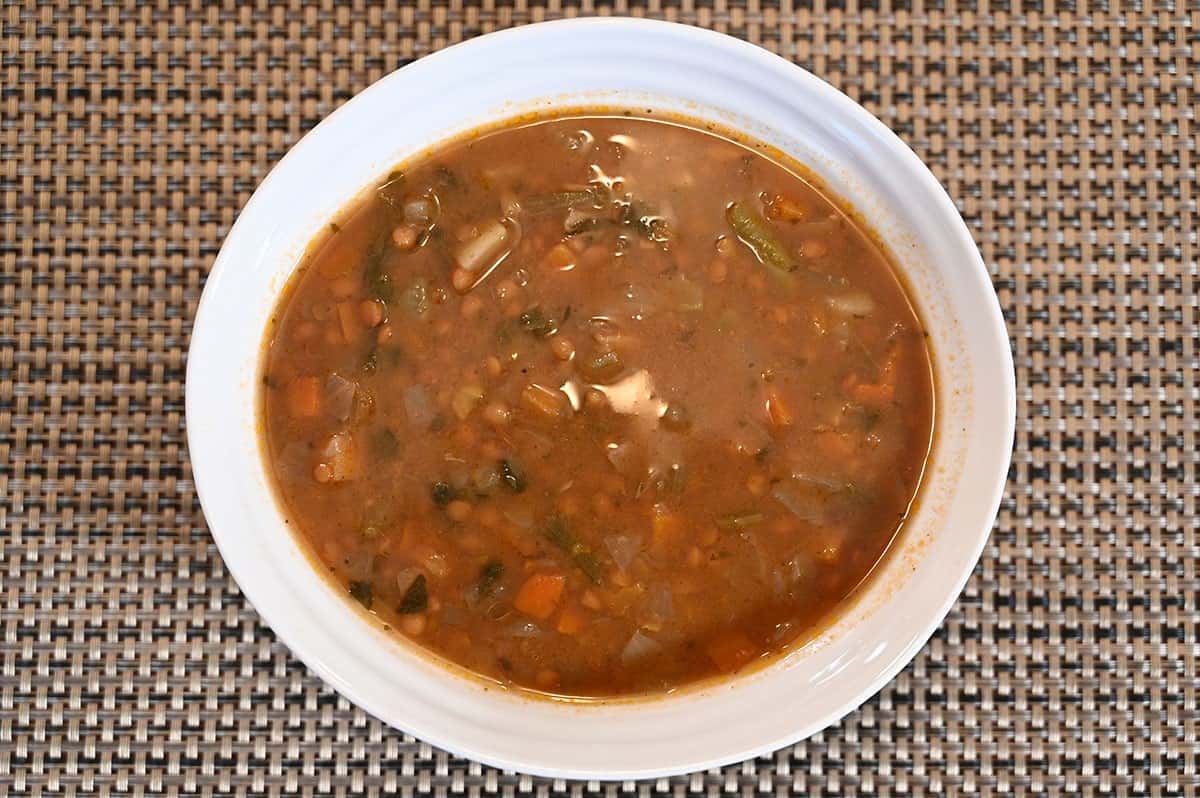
548, 404
777, 410
571, 620
304, 397
540, 594
730, 650
348, 318
560, 258
666, 528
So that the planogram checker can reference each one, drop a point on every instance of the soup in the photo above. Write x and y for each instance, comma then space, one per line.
597, 405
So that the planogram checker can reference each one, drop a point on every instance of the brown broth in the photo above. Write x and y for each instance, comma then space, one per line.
597, 405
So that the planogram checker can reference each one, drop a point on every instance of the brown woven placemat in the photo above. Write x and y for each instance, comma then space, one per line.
131, 136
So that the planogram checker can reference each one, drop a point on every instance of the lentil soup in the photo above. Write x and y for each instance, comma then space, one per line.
597, 405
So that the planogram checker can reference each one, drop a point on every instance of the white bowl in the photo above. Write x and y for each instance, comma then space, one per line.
631, 63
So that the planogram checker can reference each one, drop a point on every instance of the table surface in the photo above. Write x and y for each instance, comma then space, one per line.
130, 137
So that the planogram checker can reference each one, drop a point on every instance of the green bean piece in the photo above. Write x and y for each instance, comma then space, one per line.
753, 231
558, 200
603, 368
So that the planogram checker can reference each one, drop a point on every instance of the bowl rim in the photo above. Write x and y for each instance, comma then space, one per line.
206, 316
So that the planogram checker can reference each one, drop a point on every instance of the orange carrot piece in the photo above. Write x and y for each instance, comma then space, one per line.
540, 594
571, 621
731, 650
304, 397
666, 528
559, 258
778, 410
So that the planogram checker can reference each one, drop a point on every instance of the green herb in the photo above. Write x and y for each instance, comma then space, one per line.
416, 598
587, 563
489, 577
537, 323
363, 593
755, 234
560, 535
442, 493
512, 478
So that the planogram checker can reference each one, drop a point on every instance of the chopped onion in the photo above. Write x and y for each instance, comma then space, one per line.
853, 304
416, 404
760, 556
640, 302
804, 506
521, 515
421, 210
465, 399
623, 548
339, 454
485, 480
817, 480
688, 295
493, 241
339, 395
639, 647
622, 457
436, 564
406, 577
658, 608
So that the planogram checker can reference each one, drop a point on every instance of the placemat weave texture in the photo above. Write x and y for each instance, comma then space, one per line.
131, 135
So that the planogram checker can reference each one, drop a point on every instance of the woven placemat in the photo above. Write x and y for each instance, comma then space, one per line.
131, 136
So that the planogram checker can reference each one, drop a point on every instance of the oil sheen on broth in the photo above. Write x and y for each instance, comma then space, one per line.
597, 405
